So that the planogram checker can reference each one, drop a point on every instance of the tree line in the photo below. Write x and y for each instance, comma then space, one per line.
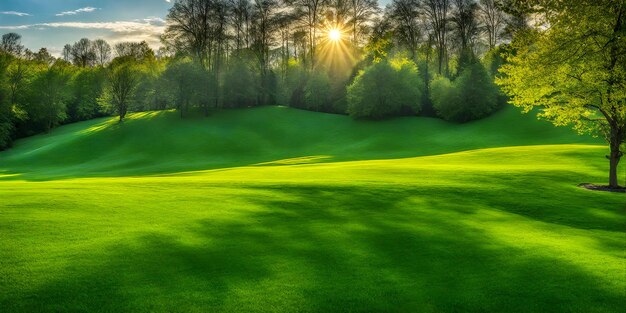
241, 53
427, 57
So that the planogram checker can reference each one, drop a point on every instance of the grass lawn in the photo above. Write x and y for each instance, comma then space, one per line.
271, 210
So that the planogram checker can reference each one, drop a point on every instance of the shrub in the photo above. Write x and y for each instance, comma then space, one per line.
471, 96
387, 88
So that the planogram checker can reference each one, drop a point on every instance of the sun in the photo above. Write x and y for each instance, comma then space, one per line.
334, 34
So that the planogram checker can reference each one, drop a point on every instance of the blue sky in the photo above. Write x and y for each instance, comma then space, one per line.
54, 23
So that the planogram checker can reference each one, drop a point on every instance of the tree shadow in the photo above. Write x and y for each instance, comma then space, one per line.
329, 248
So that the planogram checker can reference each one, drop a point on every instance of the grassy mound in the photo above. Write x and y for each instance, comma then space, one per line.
316, 213
160, 142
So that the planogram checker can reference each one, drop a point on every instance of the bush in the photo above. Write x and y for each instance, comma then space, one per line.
471, 96
387, 88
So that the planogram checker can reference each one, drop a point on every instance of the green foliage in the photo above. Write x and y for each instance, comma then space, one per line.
574, 70
87, 86
6, 131
494, 60
124, 77
317, 91
443, 92
49, 94
241, 85
473, 95
291, 87
154, 91
186, 79
387, 88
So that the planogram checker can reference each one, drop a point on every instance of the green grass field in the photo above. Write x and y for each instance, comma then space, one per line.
274, 209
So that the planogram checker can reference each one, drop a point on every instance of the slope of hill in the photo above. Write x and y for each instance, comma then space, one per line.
160, 142
266, 220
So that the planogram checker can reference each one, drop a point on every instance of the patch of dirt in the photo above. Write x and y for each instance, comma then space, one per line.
602, 188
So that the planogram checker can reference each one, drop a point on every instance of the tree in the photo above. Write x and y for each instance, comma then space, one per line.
264, 24
87, 86
317, 91
189, 22
464, 20
12, 44
17, 75
240, 19
493, 20
574, 70
405, 15
185, 78
240, 86
102, 51
6, 111
473, 95
49, 94
138, 51
67, 53
123, 80
44, 57
310, 10
360, 12
83, 54
387, 88
437, 13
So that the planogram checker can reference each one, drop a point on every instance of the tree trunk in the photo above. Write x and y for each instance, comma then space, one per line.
614, 158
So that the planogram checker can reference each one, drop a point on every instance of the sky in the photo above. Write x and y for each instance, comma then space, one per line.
54, 23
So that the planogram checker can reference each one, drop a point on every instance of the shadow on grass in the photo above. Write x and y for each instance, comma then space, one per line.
322, 249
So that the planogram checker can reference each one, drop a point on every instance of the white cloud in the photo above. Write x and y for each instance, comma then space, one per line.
147, 26
152, 20
168, 1
148, 29
15, 13
81, 10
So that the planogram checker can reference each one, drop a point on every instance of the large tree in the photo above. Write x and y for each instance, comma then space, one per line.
311, 11
493, 20
12, 44
83, 53
405, 17
123, 81
437, 13
573, 67
361, 11
465, 24
102, 51
49, 95
189, 23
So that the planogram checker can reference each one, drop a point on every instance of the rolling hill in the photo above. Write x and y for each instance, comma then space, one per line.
278, 210
160, 142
